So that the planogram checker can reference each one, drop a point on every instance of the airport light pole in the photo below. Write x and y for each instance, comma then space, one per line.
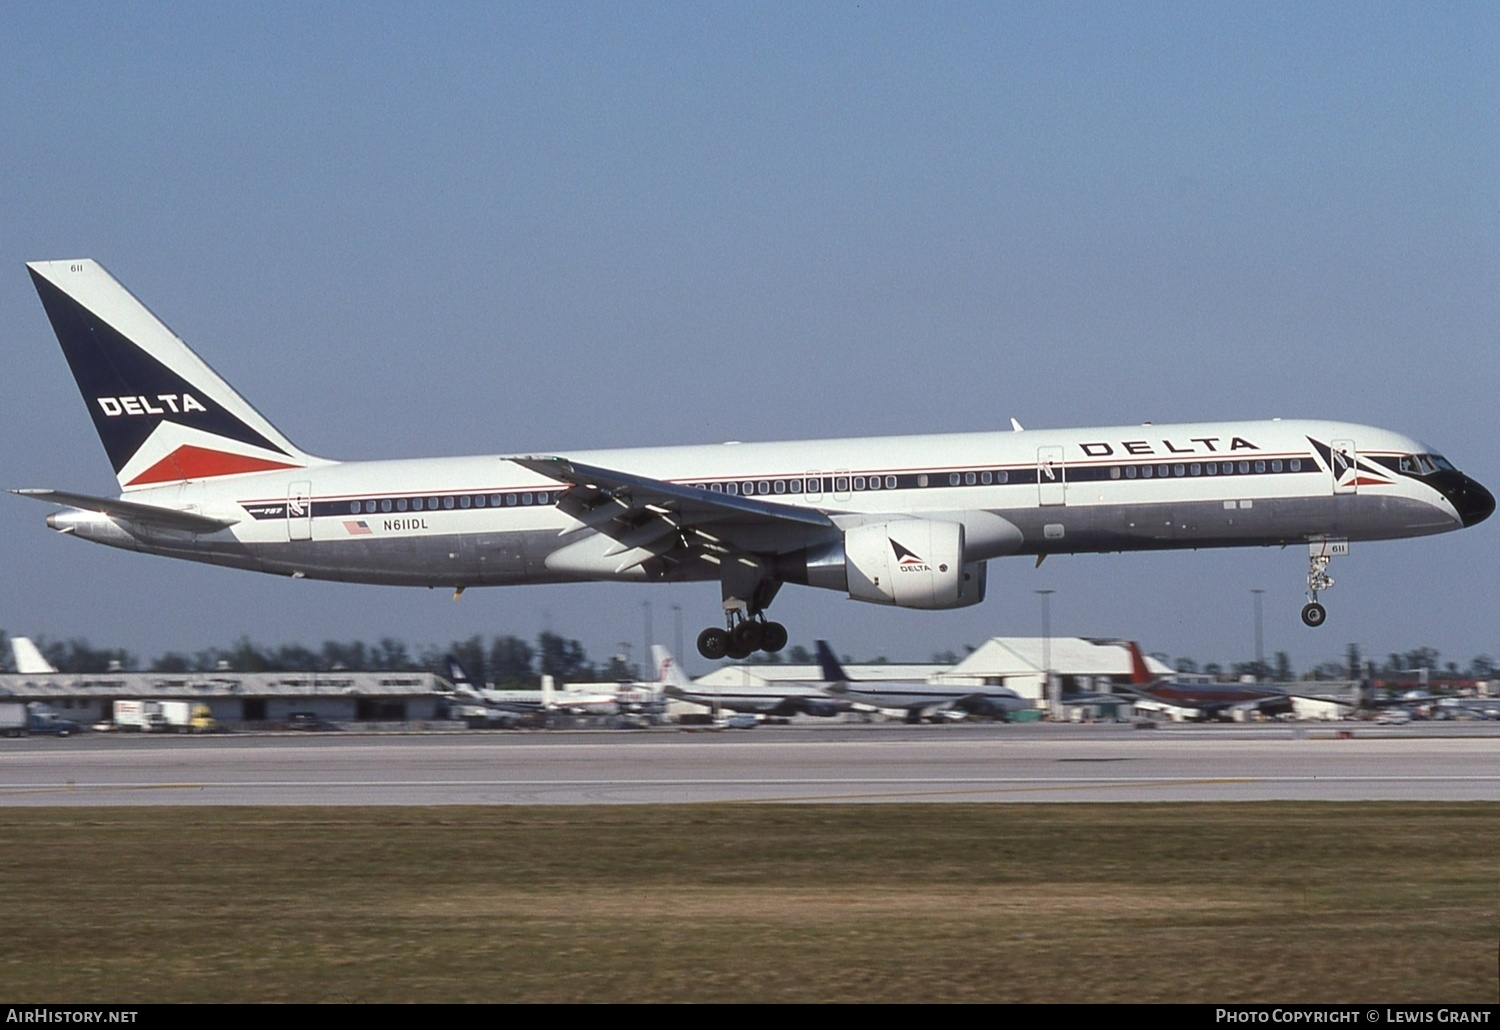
1054, 698
1260, 651
646, 652
677, 641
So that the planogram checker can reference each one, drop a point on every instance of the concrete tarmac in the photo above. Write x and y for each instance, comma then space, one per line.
836, 764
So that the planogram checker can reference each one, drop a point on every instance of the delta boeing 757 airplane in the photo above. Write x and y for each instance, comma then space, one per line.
904, 520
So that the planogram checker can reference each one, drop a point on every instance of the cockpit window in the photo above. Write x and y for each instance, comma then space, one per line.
1443, 463
1422, 464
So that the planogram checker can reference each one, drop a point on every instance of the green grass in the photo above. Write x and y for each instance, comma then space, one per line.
1248, 902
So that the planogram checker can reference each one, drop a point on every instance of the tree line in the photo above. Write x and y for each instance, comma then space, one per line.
504, 660
511, 661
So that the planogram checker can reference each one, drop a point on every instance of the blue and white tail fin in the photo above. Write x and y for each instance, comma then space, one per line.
462, 681
833, 672
163, 415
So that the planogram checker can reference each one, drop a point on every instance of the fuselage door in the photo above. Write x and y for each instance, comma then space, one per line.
814, 490
1051, 476
1344, 460
299, 511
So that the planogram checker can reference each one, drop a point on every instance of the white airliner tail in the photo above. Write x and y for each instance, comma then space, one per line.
668, 672
29, 659
163, 415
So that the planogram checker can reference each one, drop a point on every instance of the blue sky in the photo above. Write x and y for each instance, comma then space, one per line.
437, 229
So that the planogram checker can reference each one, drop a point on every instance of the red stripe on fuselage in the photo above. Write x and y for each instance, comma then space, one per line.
189, 462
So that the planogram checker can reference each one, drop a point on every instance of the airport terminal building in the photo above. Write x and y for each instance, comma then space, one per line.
243, 699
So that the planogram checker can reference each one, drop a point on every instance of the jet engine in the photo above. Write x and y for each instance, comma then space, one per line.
909, 563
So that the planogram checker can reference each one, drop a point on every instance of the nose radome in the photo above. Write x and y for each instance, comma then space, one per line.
1473, 502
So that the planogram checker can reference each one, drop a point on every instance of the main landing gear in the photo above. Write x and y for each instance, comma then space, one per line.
745, 635
748, 590
1319, 554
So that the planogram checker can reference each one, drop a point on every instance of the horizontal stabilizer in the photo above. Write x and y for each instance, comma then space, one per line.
131, 511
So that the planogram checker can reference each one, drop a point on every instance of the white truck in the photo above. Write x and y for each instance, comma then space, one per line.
187, 717
136, 716
164, 717
13, 718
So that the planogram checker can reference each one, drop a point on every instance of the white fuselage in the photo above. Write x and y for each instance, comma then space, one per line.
487, 520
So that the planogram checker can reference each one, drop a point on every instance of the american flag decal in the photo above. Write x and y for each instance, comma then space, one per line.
360, 528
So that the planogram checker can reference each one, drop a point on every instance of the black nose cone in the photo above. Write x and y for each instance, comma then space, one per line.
1473, 502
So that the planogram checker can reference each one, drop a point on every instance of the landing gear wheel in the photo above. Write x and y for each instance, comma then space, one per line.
772, 637
737, 652
713, 643
747, 636
1314, 614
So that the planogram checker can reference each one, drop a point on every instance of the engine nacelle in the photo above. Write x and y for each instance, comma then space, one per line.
909, 563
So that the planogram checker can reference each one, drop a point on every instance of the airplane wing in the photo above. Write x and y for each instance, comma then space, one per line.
652, 517
133, 511
600, 486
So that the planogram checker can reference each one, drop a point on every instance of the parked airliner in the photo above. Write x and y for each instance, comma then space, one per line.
918, 698
908, 521
781, 699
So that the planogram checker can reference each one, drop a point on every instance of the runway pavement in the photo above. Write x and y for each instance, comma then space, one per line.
770, 764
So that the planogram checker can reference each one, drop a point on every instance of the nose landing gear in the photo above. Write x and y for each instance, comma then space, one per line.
1319, 554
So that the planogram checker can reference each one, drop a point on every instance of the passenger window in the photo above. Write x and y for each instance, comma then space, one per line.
779, 486
922, 479
859, 482
1146, 471
1296, 465
1179, 470
840, 484
732, 489
385, 505
954, 479
1002, 477
874, 482
890, 482
401, 504
1130, 472
795, 486
370, 507
1276, 466
353, 507
1194, 469
970, 479
465, 501
1114, 473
